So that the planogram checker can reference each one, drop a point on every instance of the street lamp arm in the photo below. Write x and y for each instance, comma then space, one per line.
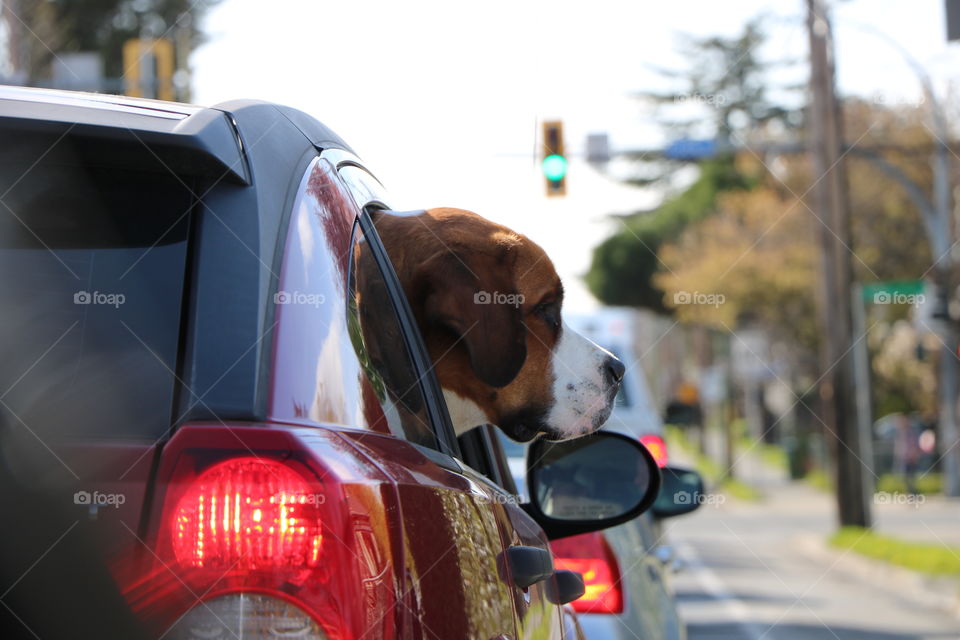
918, 69
913, 190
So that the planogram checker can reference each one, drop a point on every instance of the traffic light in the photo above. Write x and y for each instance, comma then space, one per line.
554, 160
148, 68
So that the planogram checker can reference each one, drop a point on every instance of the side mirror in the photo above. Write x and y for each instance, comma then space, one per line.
590, 483
681, 492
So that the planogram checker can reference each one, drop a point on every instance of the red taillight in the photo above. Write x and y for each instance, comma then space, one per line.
248, 514
261, 532
657, 448
590, 555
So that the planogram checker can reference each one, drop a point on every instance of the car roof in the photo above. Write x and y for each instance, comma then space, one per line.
188, 138
253, 154
141, 106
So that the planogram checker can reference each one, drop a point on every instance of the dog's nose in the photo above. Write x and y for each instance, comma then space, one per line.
614, 370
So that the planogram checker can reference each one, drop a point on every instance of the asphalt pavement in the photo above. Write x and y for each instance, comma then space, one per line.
762, 571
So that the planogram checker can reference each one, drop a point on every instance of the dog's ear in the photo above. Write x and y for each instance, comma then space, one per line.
476, 301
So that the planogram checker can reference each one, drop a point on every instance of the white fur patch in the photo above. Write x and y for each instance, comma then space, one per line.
464, 413
582, 397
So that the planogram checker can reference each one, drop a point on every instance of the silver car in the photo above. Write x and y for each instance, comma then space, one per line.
626, 569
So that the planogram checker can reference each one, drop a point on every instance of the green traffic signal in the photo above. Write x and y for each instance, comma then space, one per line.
554, 167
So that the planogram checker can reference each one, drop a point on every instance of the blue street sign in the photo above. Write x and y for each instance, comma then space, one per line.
689, 149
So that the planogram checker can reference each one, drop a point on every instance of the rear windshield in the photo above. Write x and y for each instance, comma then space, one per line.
92, 263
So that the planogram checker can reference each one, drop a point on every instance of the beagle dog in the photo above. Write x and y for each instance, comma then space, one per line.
488, 303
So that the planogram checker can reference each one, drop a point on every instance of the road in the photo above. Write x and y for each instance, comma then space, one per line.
758, 571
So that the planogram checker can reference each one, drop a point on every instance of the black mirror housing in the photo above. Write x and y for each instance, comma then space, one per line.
590, 483
682, 491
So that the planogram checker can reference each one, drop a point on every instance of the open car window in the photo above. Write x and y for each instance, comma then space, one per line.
377, 336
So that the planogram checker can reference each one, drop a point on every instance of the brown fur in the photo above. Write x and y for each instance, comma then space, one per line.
497, 355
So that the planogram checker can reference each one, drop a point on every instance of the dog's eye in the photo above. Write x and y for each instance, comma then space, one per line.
549, 313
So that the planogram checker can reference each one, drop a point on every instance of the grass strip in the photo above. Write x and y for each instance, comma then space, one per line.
931, 559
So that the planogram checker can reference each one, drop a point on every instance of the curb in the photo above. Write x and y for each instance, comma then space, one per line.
938, 593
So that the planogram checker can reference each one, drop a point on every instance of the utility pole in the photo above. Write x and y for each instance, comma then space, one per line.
943, 247
837, 393
937, 215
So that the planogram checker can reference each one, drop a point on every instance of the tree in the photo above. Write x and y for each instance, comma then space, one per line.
727, 78
51, 28
754, 256
890, 239
758, 252
623, 266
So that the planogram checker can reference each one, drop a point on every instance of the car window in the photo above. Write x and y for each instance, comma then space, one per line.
622, 401
378, 338
504, 468
512, 448
341, 354
92, 267
516, 461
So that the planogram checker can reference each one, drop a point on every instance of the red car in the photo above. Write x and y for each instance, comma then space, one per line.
216, 398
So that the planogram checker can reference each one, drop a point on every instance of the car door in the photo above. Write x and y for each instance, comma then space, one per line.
537, 617
456, 534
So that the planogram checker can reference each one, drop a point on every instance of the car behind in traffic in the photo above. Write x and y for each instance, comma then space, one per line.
626, 568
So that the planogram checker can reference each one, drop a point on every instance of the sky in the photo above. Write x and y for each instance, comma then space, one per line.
442, 99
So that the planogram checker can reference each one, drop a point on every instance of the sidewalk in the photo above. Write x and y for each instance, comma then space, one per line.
764, 570
932, 519
936, 520
809, 515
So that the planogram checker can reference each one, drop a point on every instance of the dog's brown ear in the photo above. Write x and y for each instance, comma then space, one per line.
477, 302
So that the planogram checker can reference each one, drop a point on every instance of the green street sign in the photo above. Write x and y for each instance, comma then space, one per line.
893, 292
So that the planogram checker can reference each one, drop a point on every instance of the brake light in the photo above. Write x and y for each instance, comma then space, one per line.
260, 533
590, 555
657, 448
248, 514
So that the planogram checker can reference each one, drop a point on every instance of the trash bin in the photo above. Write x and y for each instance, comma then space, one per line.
796, 450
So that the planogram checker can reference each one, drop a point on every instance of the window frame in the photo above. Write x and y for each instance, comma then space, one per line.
367, 194
478, 448
359, 238
483, 453
430, 386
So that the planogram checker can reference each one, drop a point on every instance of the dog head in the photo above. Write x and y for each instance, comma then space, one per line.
488, 302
